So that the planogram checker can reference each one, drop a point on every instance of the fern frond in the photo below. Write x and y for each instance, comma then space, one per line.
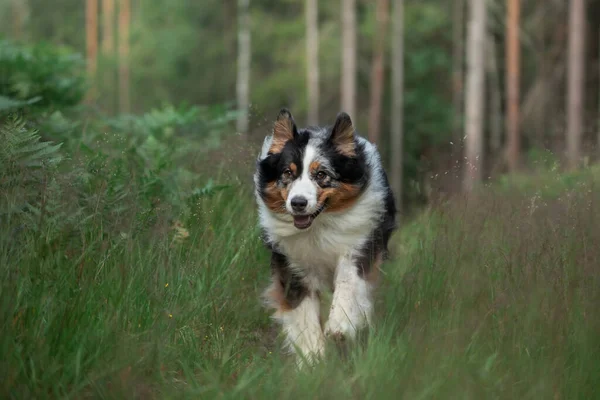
25, 163
22, 148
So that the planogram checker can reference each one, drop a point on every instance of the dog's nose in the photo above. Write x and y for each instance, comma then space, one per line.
299, 203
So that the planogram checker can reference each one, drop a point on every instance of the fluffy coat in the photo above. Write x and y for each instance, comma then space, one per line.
327, 213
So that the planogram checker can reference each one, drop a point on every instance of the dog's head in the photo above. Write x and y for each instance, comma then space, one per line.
309, 171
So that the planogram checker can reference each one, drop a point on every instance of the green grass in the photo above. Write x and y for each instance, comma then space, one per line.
490, 297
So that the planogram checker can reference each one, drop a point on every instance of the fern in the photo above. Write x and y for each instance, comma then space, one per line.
25, 164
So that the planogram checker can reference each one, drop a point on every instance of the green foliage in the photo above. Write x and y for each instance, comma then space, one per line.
8, 104
543, 160
45, 76
427, 105
183, 51
486, 299
548, 183
169, 122
25, 164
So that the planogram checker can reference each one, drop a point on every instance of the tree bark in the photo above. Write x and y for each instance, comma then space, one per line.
108, 52
513, 68
575, 82
91, 35
312, 60
108, 27
475, 94
348, 92
377, 71
495, 97
243, 67
397, 111
458, 59
124, 84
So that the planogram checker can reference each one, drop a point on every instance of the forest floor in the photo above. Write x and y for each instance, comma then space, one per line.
494, 296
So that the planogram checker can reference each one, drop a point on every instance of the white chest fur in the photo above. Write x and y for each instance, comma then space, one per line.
315, 253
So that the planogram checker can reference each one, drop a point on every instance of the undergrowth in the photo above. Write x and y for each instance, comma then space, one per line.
110, 289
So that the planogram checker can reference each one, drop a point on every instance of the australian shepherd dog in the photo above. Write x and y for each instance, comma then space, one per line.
327, 212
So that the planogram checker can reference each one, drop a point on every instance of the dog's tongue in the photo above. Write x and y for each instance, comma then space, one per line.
302, 221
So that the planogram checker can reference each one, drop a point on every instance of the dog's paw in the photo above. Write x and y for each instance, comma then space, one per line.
309, 357
341, 328
308, 348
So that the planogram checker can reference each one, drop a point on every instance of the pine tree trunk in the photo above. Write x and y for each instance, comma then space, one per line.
243, 67
512, 84
475, 94
495, 97
124, 84
397, 111
348, 91
377, 71
108, 27
458, 59
312, 60
575, 82
91, 34
108, 50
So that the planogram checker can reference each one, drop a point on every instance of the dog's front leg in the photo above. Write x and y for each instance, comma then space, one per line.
297, 308
302, 328
352, 306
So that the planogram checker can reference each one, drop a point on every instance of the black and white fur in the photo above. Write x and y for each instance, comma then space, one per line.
340, 249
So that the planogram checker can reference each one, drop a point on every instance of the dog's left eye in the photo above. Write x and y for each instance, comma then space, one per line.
321, 175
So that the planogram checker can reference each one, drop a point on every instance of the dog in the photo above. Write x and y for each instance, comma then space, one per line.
326, 212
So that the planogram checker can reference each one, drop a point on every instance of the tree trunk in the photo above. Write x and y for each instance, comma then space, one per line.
495, 97
575, 82
512, 84
243, 67
397, 111
312, 60
124, 84
377, 71
91, 35
475, 94
458, 59
108, 27
108, 50
19, 10
348, 92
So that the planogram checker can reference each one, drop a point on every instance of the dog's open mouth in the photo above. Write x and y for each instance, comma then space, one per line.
304, 221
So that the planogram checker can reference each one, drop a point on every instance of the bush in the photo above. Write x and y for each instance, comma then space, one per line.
44, 76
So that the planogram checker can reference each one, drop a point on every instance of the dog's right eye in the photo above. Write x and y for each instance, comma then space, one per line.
287, 174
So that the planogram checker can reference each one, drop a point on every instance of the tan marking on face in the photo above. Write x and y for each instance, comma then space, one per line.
283, 132
293, 168
314, 166
275, 198
339, 198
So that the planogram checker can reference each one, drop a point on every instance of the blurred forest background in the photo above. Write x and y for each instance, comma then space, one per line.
130, 260
396, 68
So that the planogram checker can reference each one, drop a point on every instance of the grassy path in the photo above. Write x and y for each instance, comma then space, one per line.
495, 297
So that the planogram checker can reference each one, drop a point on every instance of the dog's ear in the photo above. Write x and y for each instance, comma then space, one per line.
284, 129
342, 135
